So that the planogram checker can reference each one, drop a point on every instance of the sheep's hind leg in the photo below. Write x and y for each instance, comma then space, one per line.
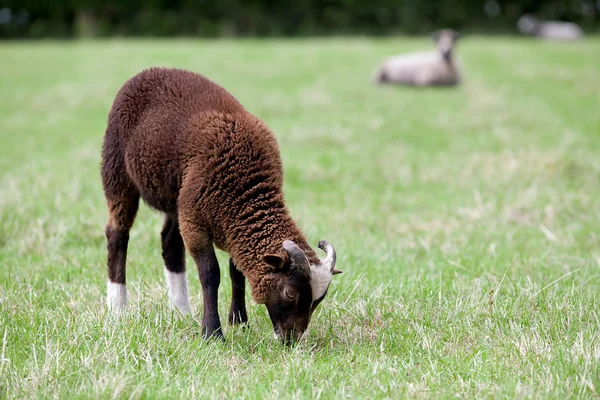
237, 311
173, 253
200, 246
121, 215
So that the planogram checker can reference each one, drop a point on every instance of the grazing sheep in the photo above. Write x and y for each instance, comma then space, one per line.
551, 30
432, 68
188, 148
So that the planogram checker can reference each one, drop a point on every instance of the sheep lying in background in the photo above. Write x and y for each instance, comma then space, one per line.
431, 68
552, 30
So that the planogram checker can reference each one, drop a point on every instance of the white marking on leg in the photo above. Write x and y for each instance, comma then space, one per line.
116, 296
177, 289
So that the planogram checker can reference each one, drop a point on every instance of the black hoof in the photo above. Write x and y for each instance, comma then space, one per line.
238, 317
212, 331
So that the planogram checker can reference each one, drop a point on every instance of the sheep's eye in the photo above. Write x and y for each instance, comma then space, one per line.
289, 293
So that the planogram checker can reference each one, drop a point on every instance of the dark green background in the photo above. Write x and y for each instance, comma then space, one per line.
211, 18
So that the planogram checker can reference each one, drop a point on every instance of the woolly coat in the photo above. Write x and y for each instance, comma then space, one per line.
549, 30
418, 69
194, 152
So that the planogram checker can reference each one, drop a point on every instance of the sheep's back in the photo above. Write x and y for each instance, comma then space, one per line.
172, 96
405, 68
560, 30
151, 118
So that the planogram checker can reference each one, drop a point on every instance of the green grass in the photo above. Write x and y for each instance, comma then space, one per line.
466, 221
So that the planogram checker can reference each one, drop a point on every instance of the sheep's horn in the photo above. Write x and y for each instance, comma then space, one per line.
296, 254
330, 257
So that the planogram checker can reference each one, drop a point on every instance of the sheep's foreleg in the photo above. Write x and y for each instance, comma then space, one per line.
210, 278
237, 311
199, 245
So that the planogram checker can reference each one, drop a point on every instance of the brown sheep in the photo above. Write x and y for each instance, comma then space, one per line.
188, 148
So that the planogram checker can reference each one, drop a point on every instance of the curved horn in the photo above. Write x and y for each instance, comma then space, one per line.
296, 254
330, 258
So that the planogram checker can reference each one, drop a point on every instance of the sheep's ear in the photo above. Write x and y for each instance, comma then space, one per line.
456, 36
274, 260
435, 36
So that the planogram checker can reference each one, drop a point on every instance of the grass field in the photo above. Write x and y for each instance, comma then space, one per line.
466, 221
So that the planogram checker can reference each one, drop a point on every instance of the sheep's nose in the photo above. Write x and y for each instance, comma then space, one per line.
283, 335
290, 337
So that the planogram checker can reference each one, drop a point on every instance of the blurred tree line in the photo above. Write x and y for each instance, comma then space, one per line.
88, 18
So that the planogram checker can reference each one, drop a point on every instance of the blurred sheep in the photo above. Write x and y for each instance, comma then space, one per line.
551, 30
431, 68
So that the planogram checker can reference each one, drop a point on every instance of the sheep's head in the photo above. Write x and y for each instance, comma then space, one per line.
445, 40
299, 288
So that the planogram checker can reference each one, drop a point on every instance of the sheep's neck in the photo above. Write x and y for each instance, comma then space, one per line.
261, 231
449, 62
450, 67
